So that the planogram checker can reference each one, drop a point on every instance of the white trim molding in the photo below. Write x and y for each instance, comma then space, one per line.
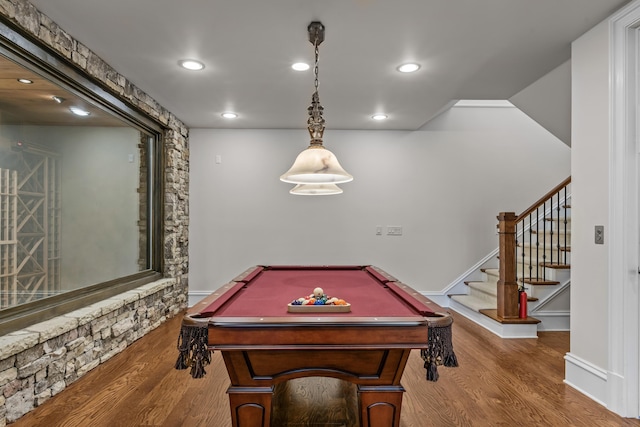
195, 296
586, 378
623, 395
553, 320
484, 103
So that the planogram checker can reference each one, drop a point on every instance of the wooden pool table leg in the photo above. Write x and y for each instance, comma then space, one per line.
250, 406
380, 405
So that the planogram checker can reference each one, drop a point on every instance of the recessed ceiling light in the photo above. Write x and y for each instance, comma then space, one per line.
300, 66
229, 115
191, 64
79, 111
25, 81
409, 67
58, 99
379, 117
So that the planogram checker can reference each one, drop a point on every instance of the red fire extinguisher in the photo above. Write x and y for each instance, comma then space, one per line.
523, 304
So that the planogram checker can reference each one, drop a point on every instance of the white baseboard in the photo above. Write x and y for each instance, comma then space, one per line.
585, 377
553, 320
439, 298
195, 296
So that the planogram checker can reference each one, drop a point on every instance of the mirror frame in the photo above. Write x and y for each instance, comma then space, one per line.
30, 53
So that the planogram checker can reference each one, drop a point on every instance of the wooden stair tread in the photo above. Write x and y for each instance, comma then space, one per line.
532, 299
493, 313
556, 266
540, 282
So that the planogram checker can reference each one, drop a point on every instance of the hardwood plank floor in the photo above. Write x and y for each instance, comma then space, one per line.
499, 383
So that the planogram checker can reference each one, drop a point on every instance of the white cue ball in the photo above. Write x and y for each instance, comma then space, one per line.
318, 292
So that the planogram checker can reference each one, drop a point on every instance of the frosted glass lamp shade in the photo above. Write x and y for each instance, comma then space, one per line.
316, 190
316, 165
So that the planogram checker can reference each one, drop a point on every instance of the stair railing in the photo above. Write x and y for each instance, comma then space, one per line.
538, 239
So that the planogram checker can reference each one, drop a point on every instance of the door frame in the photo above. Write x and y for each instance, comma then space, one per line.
623, 379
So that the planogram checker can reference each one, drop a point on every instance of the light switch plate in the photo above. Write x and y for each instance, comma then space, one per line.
599, 235
394, 230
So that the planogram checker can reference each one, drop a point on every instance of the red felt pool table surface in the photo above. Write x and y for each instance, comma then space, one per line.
267, 292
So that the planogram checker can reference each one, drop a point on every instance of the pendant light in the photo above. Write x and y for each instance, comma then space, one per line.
316, 169
315, 190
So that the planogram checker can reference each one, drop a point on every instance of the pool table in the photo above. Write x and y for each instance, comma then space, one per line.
262, 343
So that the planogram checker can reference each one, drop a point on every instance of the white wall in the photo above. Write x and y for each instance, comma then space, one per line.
603, 361
590, 187
444, 185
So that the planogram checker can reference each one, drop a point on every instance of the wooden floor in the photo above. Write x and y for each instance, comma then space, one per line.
499, 383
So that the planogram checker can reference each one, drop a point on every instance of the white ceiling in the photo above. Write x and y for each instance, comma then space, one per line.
468, 49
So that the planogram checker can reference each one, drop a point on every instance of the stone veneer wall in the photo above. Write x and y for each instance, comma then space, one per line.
40, 361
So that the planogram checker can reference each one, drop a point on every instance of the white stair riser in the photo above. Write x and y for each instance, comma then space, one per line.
555, 223
472, 302
547, 273
542, 292
558, 258
491, 278
559, 220
483, 288
548, 239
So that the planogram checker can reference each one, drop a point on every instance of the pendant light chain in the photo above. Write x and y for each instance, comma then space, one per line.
315, 68
315, 122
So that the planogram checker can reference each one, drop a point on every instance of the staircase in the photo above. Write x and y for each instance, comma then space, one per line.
483, 294
534, 256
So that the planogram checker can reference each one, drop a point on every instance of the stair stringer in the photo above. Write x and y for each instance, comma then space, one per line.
553, 307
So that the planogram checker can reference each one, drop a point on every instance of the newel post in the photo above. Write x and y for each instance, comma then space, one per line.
507, 282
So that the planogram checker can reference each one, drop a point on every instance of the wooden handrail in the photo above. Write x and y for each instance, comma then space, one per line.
543, 199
